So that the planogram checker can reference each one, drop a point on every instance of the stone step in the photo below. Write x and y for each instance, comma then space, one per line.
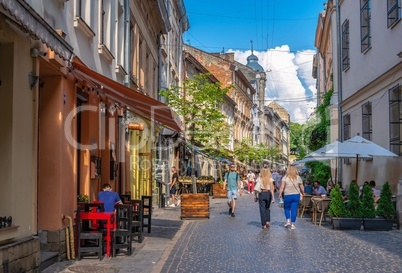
47, 258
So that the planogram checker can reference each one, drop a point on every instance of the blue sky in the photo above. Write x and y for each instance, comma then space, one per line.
283, 33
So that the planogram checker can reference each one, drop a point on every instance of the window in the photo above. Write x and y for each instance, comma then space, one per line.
393, 12
365, 18
395, 117
346, 127
84, 17
106, 31
367, 120
345, 45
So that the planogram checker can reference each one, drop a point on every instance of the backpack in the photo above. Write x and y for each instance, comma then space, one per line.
227, 176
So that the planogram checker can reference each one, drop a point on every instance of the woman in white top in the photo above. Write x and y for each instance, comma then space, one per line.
265, 196
292, 187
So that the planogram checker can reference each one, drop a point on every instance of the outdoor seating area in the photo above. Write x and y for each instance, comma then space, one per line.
102, 233
316, 207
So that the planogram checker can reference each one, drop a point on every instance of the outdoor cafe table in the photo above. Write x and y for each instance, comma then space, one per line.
106, 216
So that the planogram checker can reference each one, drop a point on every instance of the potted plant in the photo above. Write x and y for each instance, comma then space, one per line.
345, 217
385, 213
368, 209
218, 191
81, 200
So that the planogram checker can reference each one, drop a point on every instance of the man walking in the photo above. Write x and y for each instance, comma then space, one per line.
232, 181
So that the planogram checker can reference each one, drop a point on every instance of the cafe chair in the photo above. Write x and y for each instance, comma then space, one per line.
93, 207
146, 212
89, 241
121, 238
306, 204
136, 228
322, 207
125, 198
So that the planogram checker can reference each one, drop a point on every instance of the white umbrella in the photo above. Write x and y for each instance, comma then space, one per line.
324, 153
359, 147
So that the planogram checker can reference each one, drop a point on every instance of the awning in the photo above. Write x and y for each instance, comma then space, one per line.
33, 23
138, 102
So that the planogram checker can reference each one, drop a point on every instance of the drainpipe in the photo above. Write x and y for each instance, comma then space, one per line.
122, 133
339, 79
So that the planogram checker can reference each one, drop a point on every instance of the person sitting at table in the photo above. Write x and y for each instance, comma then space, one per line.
318, 189
308, 189
109, 197
376, 193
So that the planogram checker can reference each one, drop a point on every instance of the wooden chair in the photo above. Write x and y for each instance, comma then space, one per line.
89, 241
136, 228
146, 212
122, 232
306, 204
93, 206
125, 198
322, 207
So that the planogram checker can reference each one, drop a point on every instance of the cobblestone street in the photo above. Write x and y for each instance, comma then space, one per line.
227, 244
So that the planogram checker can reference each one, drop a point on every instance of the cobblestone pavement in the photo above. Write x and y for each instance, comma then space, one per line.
226, 244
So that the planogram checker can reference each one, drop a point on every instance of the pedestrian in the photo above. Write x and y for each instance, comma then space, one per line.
172, 187
278, 180
250, 181
291, 189
232, 181
109, 198
265, 196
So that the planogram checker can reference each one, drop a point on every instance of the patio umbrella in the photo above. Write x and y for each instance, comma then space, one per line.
359, 147
324, 153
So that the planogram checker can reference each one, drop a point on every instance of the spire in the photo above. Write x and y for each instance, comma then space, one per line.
252, 60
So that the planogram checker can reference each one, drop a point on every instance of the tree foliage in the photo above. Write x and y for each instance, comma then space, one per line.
246, 152
198, 103
368, 209
385, 206
354, 206
337, 207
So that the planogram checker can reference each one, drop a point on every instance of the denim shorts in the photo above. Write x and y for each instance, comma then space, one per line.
232, 194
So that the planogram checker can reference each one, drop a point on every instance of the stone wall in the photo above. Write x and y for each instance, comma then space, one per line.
54, 241
20, 256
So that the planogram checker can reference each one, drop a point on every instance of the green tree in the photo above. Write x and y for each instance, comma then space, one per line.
368, 209
385, 207
249, 154
297, 142
354, 206
337, 207
197, 102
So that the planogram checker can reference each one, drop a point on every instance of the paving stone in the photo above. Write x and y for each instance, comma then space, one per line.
226, 244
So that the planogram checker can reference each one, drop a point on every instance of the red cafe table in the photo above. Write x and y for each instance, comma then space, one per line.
109, 218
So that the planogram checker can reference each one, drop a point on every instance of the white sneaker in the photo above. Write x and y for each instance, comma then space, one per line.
287, 224
178, 203
172, 205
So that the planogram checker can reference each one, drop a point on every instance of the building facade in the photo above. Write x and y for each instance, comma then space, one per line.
86, 113
366, 66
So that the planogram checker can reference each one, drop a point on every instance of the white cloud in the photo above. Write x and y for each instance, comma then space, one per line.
289, 80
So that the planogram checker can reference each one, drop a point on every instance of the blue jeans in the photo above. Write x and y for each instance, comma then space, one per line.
291, 205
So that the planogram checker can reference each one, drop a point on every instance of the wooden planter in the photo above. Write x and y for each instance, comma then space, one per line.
194, 205
218, 191
378, 224
346, 223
